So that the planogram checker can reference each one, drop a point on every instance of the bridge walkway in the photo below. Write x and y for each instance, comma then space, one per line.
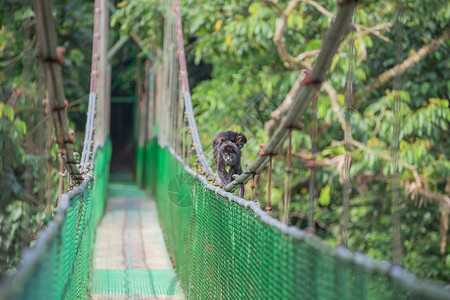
130, 259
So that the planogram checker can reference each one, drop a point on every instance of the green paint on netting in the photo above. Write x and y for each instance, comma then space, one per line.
135, 282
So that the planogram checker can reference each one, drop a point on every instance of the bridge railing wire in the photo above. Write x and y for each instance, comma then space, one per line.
32, 259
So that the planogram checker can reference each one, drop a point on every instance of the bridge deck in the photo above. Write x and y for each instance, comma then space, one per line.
130, 259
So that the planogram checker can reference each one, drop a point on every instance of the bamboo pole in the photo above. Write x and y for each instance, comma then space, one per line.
304, 96
46, 33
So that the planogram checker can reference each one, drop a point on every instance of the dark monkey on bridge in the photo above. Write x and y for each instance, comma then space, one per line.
235, 137
226, 146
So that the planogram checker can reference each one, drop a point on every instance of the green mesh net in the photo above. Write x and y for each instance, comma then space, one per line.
58, 266
227, 248
223, 247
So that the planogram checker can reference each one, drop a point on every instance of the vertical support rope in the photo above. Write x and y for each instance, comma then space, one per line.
347, 135
287, 191
269, 186
85, 162
187, 94
311, 225
397, 253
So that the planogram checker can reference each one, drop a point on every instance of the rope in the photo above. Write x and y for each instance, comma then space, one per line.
397, 255
312, 166
287, 190
347, 135
187, 95
86, 156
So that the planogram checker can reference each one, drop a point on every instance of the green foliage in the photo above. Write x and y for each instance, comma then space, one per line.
248, 80
27, 172
142, 17
18, 224
12, 154
232, 41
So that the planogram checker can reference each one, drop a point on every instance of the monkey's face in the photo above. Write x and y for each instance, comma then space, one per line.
241, 139
229, 156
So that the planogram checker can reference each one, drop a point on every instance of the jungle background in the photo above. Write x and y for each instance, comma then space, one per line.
244, 58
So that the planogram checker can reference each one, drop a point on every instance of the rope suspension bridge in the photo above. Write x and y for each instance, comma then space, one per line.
105, 242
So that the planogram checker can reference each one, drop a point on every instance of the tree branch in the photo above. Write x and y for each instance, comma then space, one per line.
273, 123
405, 65
289, 60
337, 162
320, 8
297, 62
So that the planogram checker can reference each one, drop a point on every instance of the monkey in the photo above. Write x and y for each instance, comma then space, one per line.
229, 154
235, 137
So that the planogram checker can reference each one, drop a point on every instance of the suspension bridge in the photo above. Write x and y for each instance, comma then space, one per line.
185, 236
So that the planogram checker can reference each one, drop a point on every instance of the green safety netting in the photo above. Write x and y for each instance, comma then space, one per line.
227, 248
223, 246
58, 266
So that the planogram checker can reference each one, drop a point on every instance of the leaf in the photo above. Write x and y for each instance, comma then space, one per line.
325, 197
8, 112
228, 40
16, 213
425, 87
218, 25
122, 4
